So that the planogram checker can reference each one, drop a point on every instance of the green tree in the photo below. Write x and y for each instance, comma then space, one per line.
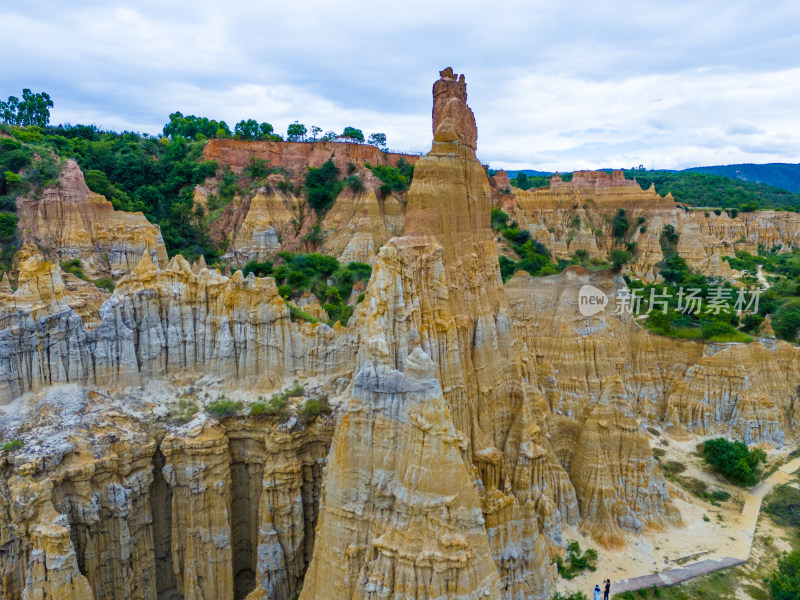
8, 226
785, 582
323, 185
315, 131
619, 258
353, 134
33, 109
734, 459
670, 235
521, 181
377, 139
393, 179
258, 168
296, 132
619, 226
98, 182
786, 321
192, 127
246, 130
265, 131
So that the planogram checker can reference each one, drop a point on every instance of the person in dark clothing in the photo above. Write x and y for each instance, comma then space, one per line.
607, 591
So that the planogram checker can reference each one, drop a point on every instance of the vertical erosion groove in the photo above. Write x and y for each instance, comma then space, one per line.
161, 511
245, 495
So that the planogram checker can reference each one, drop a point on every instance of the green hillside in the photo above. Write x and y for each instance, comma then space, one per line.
781, 175
718, 191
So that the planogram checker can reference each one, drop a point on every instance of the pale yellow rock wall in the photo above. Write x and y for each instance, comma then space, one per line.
169, 322
131, 509
567, 216
69, 221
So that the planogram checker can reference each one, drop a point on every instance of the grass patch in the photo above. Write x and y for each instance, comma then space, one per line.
276, 405
714, 586
313, 408
75, 267
783, 506
572, 596
222, 407
184, 409
576, 562
12, 445
298, 313
698, 488
736, 336
672, 468
755, 592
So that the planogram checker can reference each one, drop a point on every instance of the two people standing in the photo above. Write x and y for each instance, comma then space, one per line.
606, 591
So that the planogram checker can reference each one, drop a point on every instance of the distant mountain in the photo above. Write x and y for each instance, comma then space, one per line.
781, 175
529, 173
785, 176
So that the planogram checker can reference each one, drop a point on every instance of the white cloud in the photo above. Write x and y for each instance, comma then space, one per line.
554, 85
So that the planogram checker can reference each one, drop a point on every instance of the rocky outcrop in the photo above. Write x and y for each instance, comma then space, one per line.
270, 221
746, 390
401, 517
434, 318
297, 156
106, 503
578, 215
170, 322
68, 221
360, 222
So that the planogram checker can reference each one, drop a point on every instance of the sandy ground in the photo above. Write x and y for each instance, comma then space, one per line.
727, 532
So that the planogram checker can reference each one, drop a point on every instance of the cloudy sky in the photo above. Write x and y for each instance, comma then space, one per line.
555, 85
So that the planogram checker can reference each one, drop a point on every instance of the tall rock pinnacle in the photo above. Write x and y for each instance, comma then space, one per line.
452, 118
413, 505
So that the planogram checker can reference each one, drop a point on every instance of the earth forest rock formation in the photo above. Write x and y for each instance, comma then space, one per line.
472, 420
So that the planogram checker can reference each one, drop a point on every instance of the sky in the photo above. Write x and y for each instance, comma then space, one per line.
554, 85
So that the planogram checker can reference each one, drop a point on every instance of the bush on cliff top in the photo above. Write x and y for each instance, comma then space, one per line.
276, 405
222, 407
313, 408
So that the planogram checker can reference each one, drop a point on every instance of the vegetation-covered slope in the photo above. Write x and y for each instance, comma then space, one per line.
780, 175
705, 189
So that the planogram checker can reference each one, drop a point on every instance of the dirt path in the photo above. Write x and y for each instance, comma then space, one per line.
746, 525
762, 279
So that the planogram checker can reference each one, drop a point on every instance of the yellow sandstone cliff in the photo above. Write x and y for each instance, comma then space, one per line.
68, 221
578, 215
